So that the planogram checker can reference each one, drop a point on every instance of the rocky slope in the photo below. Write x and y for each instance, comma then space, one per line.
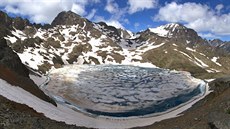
73, 39
14, 116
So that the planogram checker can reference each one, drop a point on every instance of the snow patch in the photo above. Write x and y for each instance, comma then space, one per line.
160, 31
19, 34
214, 59
174, 45
202, 64
11, 39
190, 49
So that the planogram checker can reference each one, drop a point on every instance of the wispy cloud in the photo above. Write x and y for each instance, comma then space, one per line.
140, 5
91, 14
111, 6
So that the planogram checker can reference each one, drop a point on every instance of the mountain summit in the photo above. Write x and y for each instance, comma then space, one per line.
68, 18
176, 31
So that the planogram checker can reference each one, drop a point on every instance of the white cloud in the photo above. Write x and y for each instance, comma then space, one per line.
219, 7
140, 5
79, 9
96, 1
136, 24
111, 6
209, 36
126, 21
91, 14
196, 16
174, 12
114, 23
110, 22
118, 15
44, 11
117, 12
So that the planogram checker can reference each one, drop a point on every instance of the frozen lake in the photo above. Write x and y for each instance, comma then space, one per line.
122, 91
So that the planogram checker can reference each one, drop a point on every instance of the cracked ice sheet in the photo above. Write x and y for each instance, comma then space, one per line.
93, 88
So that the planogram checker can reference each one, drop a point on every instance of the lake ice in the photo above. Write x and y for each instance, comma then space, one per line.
121, 90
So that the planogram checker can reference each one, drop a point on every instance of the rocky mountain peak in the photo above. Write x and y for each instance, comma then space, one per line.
110, 30
20, 23
170, 30
174, 26
178, 32
215, 42
68, 18
125, 34
5, 19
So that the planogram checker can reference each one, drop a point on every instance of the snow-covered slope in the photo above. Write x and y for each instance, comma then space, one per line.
72, 44
168, 30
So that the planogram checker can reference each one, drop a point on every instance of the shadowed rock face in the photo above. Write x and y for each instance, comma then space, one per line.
112, 31
5, 19
11, 60
15, 73
20, 23
4, 23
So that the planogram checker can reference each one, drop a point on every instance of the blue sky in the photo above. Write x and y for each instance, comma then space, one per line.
211, 19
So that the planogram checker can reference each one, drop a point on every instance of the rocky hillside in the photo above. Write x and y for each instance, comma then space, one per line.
73, 39
15, 115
